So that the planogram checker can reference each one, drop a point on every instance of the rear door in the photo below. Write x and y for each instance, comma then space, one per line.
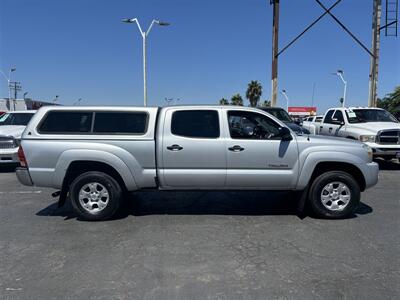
256, 157
193, 152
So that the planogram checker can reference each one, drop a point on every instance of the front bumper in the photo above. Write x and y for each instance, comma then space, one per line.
371, 174
23, 176
385, 150
9, 155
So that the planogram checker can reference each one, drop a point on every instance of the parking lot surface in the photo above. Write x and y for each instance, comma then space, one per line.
199, 245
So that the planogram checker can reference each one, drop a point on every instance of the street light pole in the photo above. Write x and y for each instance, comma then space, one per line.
283, 92
340, 73
144, 36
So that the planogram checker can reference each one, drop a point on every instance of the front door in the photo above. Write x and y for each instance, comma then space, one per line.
257, 158
193, 152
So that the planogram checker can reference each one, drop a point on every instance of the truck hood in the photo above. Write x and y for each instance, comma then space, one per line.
12, 130
374, 127
330, 140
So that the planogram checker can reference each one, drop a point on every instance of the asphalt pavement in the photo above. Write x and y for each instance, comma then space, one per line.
199, 245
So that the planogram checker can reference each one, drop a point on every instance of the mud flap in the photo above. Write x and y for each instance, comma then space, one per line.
62, 196
301, 203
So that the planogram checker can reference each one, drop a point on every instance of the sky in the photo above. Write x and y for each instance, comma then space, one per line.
212, 49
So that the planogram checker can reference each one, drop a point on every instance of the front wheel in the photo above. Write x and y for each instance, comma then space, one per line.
95, 196
334, 195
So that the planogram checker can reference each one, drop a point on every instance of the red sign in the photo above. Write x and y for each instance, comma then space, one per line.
304, 109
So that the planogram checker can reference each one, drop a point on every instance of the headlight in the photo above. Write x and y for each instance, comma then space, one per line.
17, 142
367, 138
369, 152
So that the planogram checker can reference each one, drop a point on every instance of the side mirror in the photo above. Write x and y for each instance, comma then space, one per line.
285, 134
337, 122
298, 122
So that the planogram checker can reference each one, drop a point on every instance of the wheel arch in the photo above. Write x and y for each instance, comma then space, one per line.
323, 167
79, 167
75, 162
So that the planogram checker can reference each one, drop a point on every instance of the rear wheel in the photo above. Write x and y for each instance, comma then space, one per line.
334, 195
95, 196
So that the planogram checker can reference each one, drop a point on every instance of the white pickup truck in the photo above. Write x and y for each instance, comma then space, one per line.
12, 125
94, 154
373, 126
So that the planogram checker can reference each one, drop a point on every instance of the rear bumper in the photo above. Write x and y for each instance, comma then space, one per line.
23, 176
9, 155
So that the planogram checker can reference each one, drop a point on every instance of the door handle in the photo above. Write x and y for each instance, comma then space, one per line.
174, 147
236, 148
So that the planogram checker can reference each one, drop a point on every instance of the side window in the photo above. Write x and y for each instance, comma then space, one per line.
66, 122
196, 123
120, 122
338, 116
328, 117
250, 125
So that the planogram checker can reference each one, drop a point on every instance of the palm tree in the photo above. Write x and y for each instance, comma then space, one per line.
265, 103
223, 101
254, 92
237, 100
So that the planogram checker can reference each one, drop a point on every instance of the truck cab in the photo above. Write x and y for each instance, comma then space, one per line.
375, 127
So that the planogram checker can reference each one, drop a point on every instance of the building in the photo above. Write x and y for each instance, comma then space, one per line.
22, 104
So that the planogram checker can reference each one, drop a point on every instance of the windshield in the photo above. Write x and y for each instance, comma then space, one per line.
369, 115
280, 114
15, 119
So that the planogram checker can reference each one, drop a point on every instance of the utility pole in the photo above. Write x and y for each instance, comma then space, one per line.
275, 51
16, 86
376, 36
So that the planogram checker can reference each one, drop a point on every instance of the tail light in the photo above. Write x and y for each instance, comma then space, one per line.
22, 158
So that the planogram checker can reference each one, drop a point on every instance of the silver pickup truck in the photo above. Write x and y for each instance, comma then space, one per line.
95, 154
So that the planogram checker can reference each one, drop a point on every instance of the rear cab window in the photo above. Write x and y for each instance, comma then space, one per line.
196, 124
71, 122
94, 122
120, 122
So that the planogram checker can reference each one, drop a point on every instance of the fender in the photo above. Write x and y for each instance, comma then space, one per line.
68, 156
312, 159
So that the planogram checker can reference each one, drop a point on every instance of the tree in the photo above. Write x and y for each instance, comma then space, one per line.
254, 92
223, 101
391, 102
266, 103
237, 100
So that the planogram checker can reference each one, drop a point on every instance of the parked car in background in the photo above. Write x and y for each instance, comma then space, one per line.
283, 116
373, 126
312, 123
12, 124
95, 154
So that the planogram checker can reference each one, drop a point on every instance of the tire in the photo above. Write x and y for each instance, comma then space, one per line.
334, 195
95, 196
